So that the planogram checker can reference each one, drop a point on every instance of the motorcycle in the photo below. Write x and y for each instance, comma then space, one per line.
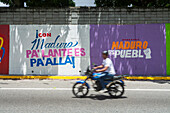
114, 85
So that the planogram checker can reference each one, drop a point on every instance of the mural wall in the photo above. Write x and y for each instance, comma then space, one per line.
48, 49
168, 48
141, 49
134, 49
4, 49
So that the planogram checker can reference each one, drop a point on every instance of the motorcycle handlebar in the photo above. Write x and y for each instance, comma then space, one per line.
92, 69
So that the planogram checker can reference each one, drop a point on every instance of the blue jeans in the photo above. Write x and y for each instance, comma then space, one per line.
103, 76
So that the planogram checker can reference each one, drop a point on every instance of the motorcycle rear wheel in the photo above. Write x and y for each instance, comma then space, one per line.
80, 90
116, 89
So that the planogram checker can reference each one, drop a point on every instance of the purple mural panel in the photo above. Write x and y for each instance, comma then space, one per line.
155, 35
138, 54
101, 38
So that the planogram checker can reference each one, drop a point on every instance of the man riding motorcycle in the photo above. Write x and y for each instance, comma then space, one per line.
107, 69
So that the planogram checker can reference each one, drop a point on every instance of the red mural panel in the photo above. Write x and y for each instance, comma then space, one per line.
4, 49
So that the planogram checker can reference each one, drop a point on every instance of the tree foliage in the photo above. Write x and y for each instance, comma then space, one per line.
99, 3
39, 3
111, 3
8, 2
133, 3
50, 3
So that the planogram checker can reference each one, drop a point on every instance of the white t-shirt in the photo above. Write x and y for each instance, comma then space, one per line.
111, 69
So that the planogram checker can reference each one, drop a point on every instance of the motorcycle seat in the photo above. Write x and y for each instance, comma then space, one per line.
113, 78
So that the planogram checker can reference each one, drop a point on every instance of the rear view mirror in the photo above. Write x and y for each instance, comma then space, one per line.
94, 64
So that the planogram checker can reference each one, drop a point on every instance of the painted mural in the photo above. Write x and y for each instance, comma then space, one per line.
55, 50
141, 49
134, 49
4, 49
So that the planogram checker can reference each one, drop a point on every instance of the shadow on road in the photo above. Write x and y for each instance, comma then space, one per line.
162, 82
46, 83
154, 81
101, 97
3, 83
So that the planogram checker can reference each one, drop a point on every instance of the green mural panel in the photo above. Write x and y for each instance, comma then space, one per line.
168, 48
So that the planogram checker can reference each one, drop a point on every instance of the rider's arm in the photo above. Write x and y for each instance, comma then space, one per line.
102, 70
101, 66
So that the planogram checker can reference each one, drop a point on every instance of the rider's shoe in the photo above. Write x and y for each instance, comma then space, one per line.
103, 91
106, 91
97, 89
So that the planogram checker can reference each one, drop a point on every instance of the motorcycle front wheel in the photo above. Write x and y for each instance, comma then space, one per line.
80, 90
116, 89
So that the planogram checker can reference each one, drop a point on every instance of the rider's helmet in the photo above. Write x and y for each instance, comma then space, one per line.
105, 53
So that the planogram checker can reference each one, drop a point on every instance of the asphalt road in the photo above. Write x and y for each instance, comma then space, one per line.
55, 96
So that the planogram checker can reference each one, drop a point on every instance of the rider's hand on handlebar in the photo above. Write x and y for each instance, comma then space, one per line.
94, 68
97, 71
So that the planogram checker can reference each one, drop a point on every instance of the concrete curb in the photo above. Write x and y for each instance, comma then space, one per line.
80, 77
42, 77
147, 78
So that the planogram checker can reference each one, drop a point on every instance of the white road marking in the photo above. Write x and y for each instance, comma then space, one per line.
68, 89
147, 89
62, 89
